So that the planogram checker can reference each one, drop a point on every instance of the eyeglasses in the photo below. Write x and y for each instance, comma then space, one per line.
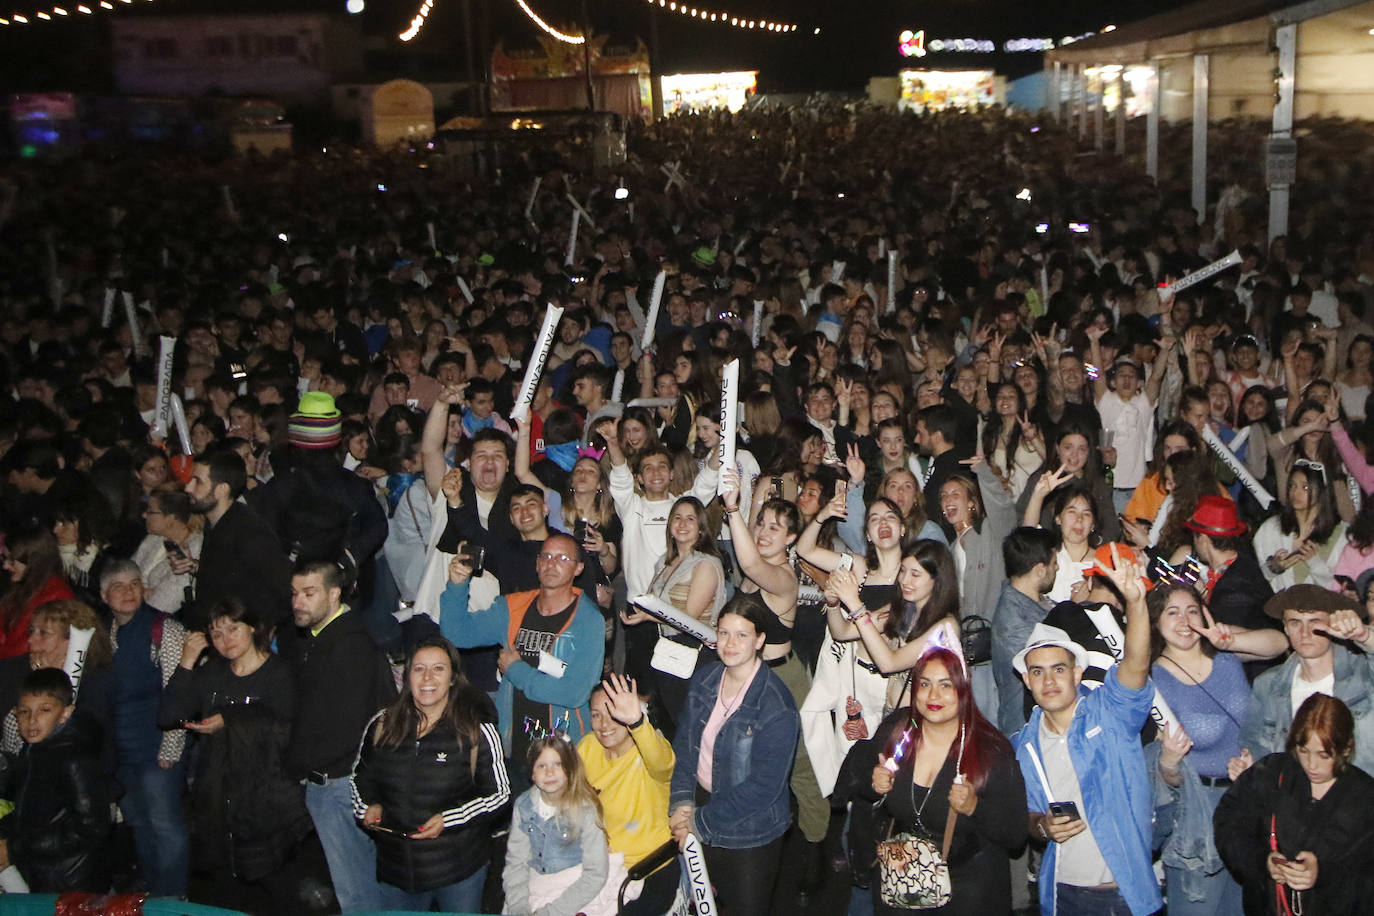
556, 558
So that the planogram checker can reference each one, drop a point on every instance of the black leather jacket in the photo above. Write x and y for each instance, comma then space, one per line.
421, 778
60, 825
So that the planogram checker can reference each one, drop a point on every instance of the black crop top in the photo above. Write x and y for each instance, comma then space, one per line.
775, 633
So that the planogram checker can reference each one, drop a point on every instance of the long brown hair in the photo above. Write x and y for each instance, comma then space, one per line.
466, 704
37, 550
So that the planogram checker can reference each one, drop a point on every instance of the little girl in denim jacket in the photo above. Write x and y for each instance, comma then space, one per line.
557, 859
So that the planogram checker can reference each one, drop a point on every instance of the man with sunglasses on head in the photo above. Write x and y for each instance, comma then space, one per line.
552, 643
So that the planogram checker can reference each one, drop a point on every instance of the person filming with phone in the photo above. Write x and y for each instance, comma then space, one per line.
1087, 787
552, 643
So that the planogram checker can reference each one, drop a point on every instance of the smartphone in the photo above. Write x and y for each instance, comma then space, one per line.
173, 549
845, 562
1065, 809
473, 556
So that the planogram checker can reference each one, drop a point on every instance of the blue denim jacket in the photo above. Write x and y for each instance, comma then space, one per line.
1271, 705
1104, 745
750, 765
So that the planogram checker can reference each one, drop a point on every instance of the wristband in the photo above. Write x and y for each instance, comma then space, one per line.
854, 717
642, 717
731, 510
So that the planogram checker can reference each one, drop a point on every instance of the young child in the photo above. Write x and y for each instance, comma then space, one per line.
60, 825
557, 862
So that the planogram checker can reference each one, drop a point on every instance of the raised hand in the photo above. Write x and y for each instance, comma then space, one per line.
729, 495
458, 571
1345, 625
1125, 574
1051, 481
452, 487
1219, 635
837, 507
846, 585
191, 648
623, 699
883, 778
855, 465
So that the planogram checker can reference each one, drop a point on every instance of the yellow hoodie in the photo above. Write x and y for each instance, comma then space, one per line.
633, 789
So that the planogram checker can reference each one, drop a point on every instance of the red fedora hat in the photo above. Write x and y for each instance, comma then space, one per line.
1215, 515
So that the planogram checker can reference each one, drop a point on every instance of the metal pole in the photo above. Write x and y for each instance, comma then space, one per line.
1099, 112
1121, 112
1152, 126
1056, 91
1200, 115
1286, 41
470, 49
1082, 102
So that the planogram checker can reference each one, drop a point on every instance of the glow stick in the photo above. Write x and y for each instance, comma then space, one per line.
636, 312
534, 195
694, 863
433, 243
228, 202
739, 246
758, 323
463, 288
675, 618
107, 314
132, 314
1242, 473
729, 420
572, 237
651, 320
882, 247
179, 421
1202, 273
1239, 439
1105, 621
631, 208
541, 355
618, 386
652, 402
586, 217
837, 271
892, 281
78, 644
166, 348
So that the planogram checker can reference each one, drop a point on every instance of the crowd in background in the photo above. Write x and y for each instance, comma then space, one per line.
1024, 554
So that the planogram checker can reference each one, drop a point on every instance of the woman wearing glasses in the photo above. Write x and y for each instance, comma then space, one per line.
1306, 539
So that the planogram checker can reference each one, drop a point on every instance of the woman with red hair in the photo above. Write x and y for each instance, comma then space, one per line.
941, 760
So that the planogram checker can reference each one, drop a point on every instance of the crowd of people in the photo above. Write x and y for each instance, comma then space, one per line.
1032, 572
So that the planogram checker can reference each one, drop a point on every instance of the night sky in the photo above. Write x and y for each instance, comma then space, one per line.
857, 40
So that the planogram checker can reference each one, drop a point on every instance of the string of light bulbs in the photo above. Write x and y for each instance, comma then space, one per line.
417, 23
59, 12
548, 29
739, 22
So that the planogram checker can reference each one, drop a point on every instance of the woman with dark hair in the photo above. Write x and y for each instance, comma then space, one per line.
691, 578
798, 450
1188, 477
1297, 828
637, 431
1075, 514
1353, 382
1358, 555
1309, 437
1013, 444
246, 816
1257, 412
733, 751
433, 759
927, 612
34, 566
942, 761
83, 527
1074, 453
889, 367
1306, 539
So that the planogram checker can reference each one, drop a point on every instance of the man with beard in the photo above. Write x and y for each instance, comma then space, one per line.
240, 556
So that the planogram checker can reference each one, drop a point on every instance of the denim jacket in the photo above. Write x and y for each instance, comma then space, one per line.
550, 846
1104, 745
581, 646
750, 765
1271, 705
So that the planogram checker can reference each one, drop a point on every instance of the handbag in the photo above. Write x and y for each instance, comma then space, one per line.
912, 873
975, 635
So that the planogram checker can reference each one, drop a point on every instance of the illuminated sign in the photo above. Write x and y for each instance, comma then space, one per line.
916, 44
